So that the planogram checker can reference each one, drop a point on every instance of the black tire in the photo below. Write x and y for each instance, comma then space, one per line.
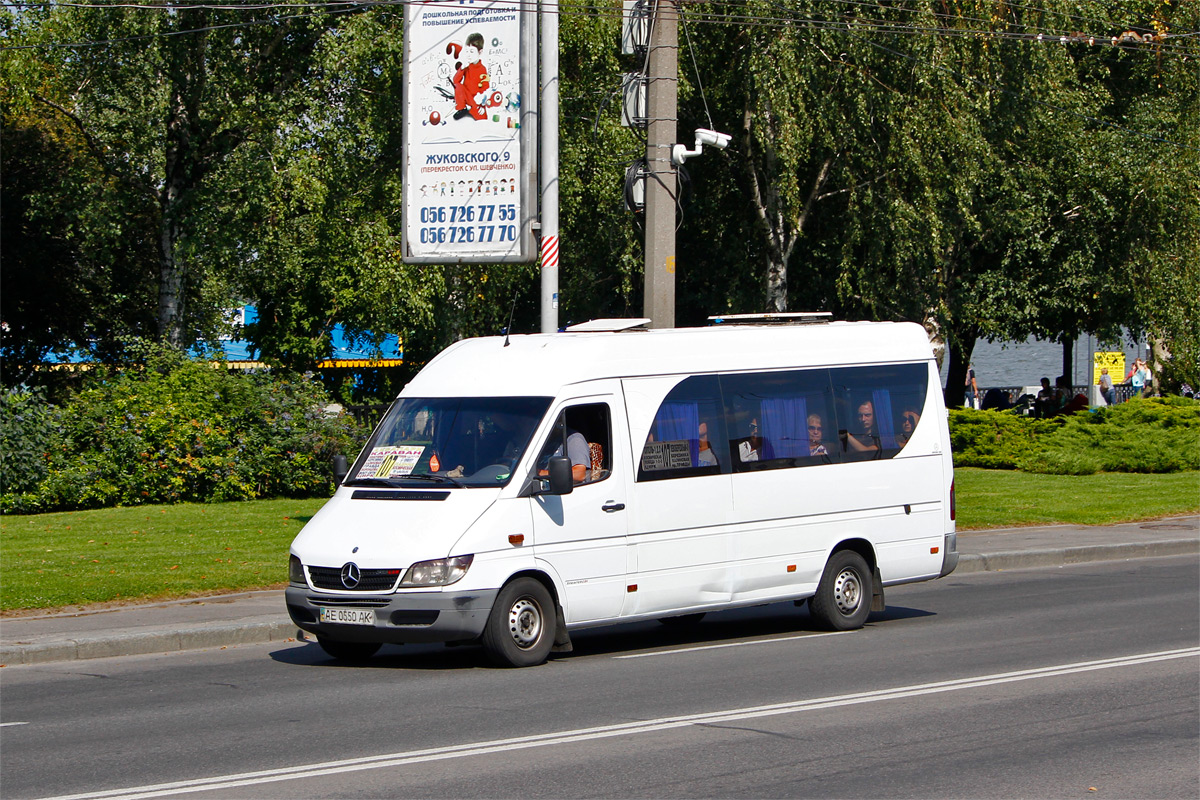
682, 620
348, 651
843, 598
520, 629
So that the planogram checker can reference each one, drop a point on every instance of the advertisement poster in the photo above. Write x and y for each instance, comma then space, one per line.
391, 462
466, 155
1114, 362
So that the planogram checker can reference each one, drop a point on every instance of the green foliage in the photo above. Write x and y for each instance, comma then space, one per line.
934, 162
28, 425
1153, 435
995, 440
179, 430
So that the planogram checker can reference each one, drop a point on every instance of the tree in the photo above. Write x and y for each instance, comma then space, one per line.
78, 250
162, 98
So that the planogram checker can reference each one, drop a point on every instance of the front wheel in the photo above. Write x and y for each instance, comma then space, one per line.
520, 629
843, 598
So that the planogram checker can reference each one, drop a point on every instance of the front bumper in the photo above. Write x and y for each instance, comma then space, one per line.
399, 618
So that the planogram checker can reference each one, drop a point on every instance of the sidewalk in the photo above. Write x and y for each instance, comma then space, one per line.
255, 617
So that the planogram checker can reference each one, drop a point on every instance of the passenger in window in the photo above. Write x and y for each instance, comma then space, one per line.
751, 446
580, 454
865, 439
908, 423
707, 457
577, 450
816, 432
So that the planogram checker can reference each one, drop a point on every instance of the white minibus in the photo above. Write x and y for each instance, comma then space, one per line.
524, 487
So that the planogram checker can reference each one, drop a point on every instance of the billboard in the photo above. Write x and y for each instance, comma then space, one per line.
470, 163
1114, 362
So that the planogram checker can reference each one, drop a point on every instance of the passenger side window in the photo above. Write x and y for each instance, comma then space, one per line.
687, 436
583, 433
779, 419
878, 408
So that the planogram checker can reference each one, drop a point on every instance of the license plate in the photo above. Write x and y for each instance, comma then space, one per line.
349, 616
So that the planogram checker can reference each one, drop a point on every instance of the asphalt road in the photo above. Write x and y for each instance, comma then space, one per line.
1080, 681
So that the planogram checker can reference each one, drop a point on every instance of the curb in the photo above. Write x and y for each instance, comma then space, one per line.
1062, 556
279, 628
133, 642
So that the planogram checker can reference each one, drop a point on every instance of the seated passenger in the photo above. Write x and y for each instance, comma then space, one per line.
908, 424
577, 450
866, 438
816, 432
707, 457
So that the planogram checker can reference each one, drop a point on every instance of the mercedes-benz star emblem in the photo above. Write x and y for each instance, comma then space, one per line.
351, 575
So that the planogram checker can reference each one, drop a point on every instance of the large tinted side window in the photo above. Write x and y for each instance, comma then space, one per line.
780, 419
687, 436
878, 408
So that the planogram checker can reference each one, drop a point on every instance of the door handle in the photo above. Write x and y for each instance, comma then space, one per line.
611, 507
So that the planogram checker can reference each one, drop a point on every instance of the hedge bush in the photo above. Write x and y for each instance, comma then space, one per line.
1153, 435
178, 430
28, 424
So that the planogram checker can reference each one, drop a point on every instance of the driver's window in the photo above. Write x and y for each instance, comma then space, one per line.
582, 433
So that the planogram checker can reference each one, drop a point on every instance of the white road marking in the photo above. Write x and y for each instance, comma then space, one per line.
227, 782
732, 644
6, 724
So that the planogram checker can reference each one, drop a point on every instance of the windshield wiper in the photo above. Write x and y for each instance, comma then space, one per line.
373, 482
436, 478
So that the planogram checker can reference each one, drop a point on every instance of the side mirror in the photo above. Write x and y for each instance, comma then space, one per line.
559, 472
340, 470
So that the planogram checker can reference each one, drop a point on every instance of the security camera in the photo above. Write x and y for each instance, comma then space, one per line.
712, 138
680, 153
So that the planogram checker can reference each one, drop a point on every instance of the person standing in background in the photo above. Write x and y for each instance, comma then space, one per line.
971, 394
1106, 387
1138, 377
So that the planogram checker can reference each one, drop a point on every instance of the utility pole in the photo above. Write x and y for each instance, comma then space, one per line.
549, 166
661, 185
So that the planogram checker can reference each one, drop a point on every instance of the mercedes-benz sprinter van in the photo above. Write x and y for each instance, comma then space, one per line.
523, 487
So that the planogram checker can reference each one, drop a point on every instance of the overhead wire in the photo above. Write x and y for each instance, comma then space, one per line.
787, 19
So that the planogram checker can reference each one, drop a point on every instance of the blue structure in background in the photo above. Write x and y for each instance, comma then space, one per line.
238, 353
345, 354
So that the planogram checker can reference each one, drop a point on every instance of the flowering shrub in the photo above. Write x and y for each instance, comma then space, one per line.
178, 430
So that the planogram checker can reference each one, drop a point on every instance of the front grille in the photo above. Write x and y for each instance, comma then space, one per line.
371, 580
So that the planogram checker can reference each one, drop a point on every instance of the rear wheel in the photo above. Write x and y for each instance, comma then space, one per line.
348, 651
520, 629
843, 598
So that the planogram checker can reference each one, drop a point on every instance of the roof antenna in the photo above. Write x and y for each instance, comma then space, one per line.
511, 311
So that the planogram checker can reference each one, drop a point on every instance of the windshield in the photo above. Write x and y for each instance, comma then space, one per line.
457, 441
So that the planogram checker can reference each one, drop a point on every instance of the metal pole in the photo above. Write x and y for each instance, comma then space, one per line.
549, 166
661, 186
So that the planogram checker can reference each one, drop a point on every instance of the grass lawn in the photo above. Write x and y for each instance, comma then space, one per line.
160, 552
992, 498
79, 557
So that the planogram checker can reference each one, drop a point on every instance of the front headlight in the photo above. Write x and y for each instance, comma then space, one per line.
438, 572
296, 571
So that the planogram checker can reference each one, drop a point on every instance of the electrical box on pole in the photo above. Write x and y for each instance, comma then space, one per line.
635, 26
633, 100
